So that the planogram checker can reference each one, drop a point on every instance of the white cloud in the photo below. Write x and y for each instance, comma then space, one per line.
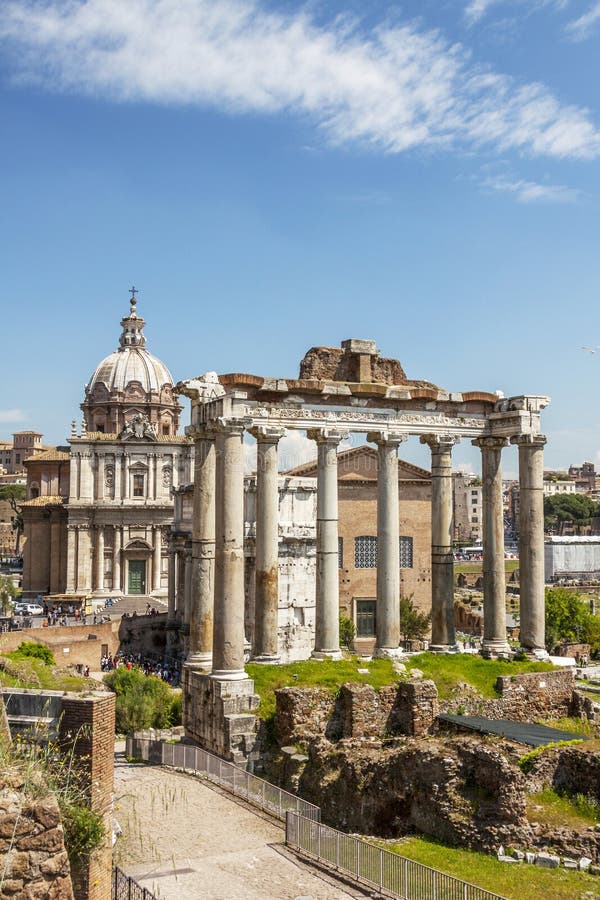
475, 10
580, 29
397, 88
531, 191
12, 415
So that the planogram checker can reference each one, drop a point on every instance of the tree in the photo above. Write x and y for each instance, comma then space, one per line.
8, 592
566, 508
347, 631
414, 625
568, 618
13, 493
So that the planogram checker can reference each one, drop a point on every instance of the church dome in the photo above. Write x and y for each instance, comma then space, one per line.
129, 382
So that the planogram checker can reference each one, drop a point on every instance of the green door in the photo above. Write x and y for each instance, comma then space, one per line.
137, 576
365, 618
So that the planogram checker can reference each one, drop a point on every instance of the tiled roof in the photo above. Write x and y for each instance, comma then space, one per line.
52, 454
45, 501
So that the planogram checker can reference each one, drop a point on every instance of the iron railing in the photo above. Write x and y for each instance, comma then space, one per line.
392, 875
230, 777
124, 887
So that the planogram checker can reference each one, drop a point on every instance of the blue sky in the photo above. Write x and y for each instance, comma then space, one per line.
273, 176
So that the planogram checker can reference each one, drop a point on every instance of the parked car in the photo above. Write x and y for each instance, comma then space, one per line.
28, 609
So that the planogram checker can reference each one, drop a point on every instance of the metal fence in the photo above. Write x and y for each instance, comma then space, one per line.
230, 777
392, 875
125, 888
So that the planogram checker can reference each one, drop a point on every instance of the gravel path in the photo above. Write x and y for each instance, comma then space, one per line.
186, 840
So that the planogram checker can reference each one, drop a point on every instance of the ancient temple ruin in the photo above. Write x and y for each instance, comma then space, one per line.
351, 389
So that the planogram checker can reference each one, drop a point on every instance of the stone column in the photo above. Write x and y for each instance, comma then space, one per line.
86, 476
442, 561
156, 558
327, 629
228, 633
117, 559
531, 542
71, 558
84, 559
180, 593
187, 585
172, 587
99, 557
388, 544
266, 594
203, 552
494, 577
99, 476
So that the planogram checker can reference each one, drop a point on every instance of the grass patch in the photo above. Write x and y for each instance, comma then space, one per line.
29, 672
448, 671
476, 567
548, 807
572, 724
515, 882
327, 675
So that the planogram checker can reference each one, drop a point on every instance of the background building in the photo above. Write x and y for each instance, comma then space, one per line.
467, 508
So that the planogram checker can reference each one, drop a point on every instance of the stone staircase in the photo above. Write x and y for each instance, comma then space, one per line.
135, 603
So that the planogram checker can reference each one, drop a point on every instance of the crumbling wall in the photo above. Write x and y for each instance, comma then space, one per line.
32, 844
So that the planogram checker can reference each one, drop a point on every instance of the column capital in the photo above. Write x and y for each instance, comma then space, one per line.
267, 434
385, 437
440, 442
490, 442
229, 426
331, 436
203, 433
533, 441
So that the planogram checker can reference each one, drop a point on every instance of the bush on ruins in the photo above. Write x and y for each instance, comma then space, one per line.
143, 701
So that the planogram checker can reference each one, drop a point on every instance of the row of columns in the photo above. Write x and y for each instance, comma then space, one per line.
217, 557
88, 476
86, 558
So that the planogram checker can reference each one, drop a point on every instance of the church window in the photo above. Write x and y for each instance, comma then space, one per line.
365, 552
165, 429
138, 485
406, 552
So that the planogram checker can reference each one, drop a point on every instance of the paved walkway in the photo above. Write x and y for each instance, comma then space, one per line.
185, 839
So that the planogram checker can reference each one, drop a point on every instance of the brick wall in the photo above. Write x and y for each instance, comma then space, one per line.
88, 723
71, 645
523, 698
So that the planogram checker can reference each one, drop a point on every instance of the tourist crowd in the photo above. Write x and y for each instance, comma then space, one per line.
168, 671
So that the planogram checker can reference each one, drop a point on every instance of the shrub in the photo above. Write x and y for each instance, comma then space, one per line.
143, 701
32, 650
347, 631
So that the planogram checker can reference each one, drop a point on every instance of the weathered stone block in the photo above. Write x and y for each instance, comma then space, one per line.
547, 861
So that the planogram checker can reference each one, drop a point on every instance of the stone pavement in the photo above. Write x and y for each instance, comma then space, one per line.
185, 839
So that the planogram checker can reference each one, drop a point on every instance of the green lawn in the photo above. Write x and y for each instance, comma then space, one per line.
549, 808
476, 567
515, 882
34, 673
447, 672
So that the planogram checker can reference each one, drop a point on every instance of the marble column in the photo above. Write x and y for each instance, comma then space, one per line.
86, 476
266, 593
531, 542
228, 631
117, 544
494, 577
172, 586
126, 476
99, 557
157, 558
203, 552
71, 558
99, 476
84, 560
187, 585
442, 561
388, 544
327, 629
180, 593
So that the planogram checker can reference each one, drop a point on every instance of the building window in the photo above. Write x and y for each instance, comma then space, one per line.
340, 553
365, 618
18, 458
138, 485
406, 552
365, 552
165, 429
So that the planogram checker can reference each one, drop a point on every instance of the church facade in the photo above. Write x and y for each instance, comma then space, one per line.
101, 521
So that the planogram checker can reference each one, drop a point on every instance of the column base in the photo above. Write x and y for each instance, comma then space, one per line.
537, 654
496, 650
265, 660
228, 674
388, 653
443, 648
326, 654
199, 661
